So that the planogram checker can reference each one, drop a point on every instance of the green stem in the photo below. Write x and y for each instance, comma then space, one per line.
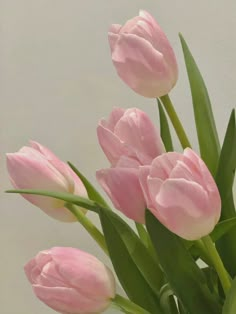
142, 233
167, 103
145, 238
89, 226
217, 262
128, 305
203, 251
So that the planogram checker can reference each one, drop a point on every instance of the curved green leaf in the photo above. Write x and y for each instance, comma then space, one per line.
230, 302
183, 274
167, 300
137, 271
67, 197
226, 169
222, 228
204, 119
224, 179
93, 194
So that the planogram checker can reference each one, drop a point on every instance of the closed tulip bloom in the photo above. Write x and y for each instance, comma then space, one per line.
181, 193
71, 281
36, 167
129, 139
143, 56
129, 133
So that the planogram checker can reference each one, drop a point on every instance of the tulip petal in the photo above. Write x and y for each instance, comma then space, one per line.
163, 165
183, 207
76, 269
113, 118
154, 186
202, 175
115, 28
111, 145
44, 151
206, 178
123, 188
32, 173
161, 42
112, 38
143, 180
137, 130
127, 162
69, 300
141, 66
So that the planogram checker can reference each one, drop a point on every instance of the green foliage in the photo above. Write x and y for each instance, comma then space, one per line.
222, 228
230, 302
184, 276
93, 194
204, 119
224, 179
138, 273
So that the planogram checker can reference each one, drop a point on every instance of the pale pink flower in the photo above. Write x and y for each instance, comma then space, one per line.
129, 133
143, 56
36, 167
71, 281
182, 194
129, 139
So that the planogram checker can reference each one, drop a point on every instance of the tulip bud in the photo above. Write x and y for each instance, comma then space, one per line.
129, 139
71, 281
181, 193
129, 133
143, 56
36, 167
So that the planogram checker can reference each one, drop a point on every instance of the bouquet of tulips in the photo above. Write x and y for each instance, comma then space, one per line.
178, 253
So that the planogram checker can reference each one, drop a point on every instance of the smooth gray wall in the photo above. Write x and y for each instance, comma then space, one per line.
57, 81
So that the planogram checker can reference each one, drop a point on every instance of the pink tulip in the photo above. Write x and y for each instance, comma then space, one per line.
129, 133
143, 56
129, 139
71, 281
36, 167
181, 193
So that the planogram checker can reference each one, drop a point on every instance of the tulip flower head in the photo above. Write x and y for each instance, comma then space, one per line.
131, 134
36, 167
129, 139
143, 56
71, 281
181, 193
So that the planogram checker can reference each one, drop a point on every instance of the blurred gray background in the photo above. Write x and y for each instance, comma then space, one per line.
57, 81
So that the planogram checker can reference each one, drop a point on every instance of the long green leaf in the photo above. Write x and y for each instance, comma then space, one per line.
222, 228
230, 302
227, 165
183, 275
93, 194
204, 119
67, 197
138, 273
165, 130
224, 179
